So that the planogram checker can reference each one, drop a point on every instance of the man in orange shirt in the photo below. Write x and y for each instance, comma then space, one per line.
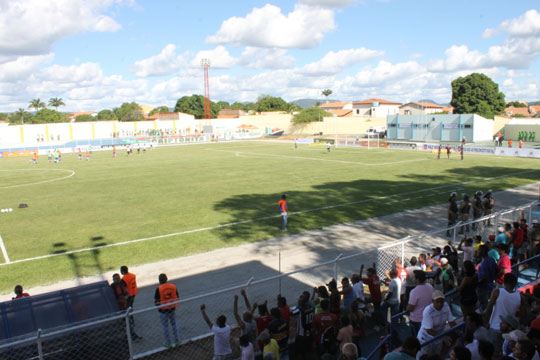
34, 157
131, 283
166, 293
284, 210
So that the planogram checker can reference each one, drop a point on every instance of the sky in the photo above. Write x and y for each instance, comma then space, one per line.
97, 54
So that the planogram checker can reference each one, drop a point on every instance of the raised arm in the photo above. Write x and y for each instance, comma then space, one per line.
236, 315
361, 270
246, 300
205, 317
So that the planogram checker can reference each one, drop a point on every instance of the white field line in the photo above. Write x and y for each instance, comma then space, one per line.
259, 219
72, 173
241, 154
4, 251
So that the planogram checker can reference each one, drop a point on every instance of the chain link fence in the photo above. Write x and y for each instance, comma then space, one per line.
143, 333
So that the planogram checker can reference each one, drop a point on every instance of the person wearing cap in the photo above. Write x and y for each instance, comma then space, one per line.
488, 203
501, 237
452, 212
510, 341
434, 319
446, 277
464, 210
477, 208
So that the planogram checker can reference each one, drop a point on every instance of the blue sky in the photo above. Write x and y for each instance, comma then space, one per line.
97, 54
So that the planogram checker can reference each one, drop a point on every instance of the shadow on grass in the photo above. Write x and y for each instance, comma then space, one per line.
340, 202
83, 263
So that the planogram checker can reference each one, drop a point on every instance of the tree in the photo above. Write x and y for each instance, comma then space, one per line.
223, 105
129, 112
3, 116
46, 116
194, 105
515, 104
327, 93
237, 106
36, 104
106, 115
308, 115
56, 102
159, 109
271, 103
21, 116
478, 94
85, 118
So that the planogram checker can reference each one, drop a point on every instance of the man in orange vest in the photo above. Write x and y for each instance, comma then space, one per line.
166, 297
130, 280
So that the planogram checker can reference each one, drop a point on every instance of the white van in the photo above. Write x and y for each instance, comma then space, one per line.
376, 130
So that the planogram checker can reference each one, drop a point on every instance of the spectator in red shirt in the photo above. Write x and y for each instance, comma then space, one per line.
374, 284
517, 241
19, 292
504, 264
335, 297
264, 317
284, 309
322, 322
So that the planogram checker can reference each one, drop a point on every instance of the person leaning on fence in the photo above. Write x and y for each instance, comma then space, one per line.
167, 293
434, 319
488, 203
264, 317
222, 335
391, 300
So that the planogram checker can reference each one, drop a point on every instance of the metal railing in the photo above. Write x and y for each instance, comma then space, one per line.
196, 339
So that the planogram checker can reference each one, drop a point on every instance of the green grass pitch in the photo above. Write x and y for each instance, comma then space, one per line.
212, 196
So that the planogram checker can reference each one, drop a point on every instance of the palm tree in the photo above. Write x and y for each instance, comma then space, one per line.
36, 104
21, 112
327, 93
56, 102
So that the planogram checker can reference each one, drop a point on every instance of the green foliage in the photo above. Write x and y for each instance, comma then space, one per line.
46, 116
159, 109
56, 102
519, 116
308, 115
250, 107
106, 115
515, 104
271, 103
327, 92
477, 94
237, 106
36, 104
194, 105
129, 112
85, 118
21, 116
3, 116
223, 105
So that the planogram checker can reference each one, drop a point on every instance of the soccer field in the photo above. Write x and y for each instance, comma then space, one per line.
175, 201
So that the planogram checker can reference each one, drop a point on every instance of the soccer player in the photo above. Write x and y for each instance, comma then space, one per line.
87, 155
284, 210
439, 152
80, 154
114, 151
448, 151
49, 156
34, 157
328, 147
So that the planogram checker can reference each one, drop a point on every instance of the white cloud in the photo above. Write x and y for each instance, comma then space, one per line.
303, 28
526, 25
219, 58
31, 27
16, 68
336, 62
164, 63
257, 58
327, 3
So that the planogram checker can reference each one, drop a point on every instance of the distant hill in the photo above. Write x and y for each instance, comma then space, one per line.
433, 101
534, 103
306, 103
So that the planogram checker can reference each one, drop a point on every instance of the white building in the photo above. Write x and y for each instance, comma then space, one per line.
375, 108
420, 108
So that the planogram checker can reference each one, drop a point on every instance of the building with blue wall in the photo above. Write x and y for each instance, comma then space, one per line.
439, 127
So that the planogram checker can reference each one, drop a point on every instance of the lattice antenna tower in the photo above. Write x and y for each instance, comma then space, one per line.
205, 64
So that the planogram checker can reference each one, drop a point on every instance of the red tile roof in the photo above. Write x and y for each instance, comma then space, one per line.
517, 110
341, 112
227, 116
335, 104
535, 109
380, 101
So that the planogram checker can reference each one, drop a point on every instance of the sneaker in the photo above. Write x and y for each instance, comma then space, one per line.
167, 345
178, 343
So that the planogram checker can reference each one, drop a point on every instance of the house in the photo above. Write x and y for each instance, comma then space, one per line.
513, 111
341, 112
534, 110
338, 105
375, 108
73, 116
231, 113
420, 108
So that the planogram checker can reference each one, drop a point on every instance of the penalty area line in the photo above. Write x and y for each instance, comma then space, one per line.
389, 197
4, 251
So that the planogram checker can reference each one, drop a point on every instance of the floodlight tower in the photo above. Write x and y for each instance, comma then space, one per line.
205, 64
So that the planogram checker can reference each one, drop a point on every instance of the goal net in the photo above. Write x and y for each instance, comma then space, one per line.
373, 141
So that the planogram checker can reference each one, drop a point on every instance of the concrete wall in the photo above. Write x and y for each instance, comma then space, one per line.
499, 123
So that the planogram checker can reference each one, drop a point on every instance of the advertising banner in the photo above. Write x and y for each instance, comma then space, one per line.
533, 153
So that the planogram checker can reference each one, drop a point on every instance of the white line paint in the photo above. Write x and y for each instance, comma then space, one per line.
244, 153
4, 251
249, 221
71, 173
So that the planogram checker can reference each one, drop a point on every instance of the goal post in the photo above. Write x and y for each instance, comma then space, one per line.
373, 141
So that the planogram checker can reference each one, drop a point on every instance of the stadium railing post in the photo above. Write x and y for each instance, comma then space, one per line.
128, 334
39, 344
455, 232
336, 266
